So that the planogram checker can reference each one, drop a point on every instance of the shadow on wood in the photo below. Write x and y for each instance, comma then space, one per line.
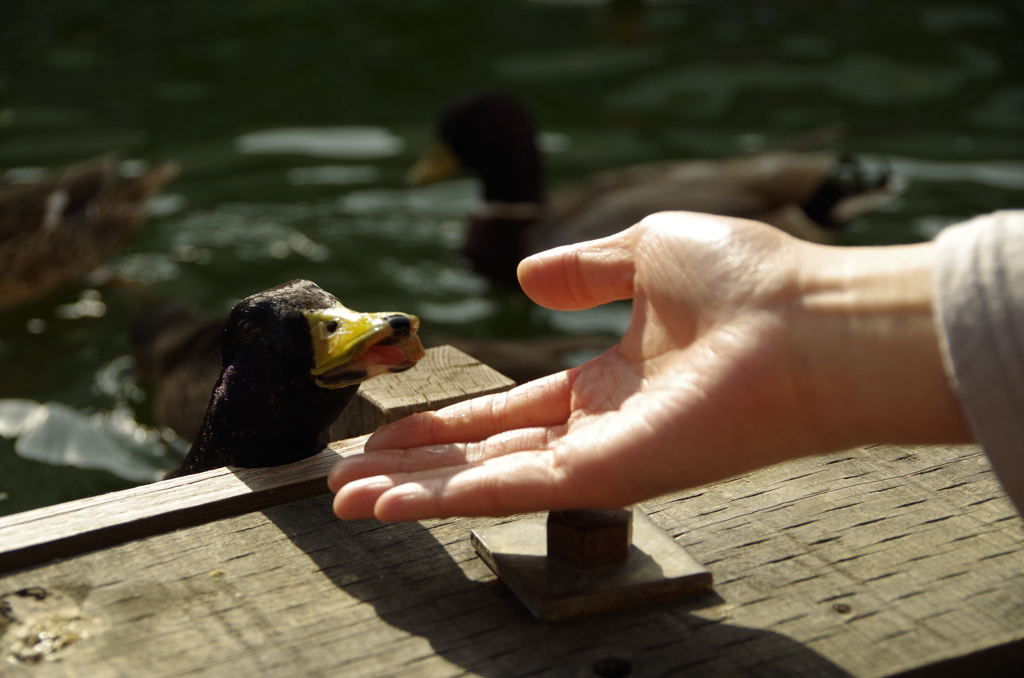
449, 598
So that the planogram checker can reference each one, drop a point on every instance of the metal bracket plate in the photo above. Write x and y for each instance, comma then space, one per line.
657, 568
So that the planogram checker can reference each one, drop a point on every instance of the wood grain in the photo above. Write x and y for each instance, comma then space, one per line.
74, 527
873, 562
444, 377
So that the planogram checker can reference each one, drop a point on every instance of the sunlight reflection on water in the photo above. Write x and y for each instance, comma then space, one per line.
109, 440
339, 175
448, 198
360, 143
112, 441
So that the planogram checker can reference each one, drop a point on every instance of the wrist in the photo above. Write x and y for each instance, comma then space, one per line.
868, 321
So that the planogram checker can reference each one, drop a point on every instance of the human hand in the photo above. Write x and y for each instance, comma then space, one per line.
746, 347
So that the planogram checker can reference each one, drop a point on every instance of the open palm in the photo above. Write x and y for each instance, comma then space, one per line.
714, 377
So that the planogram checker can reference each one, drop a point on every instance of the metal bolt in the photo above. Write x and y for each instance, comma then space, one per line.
590, 538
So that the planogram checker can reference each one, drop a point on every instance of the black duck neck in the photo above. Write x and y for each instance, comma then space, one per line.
253, 427
494, 247
513, 177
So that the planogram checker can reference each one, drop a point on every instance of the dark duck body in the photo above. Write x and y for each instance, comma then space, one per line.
292, 358
57, 230
491, 134
177, 349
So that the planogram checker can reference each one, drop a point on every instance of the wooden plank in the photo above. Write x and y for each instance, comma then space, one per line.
445, 375
67, 529
884, 558
867, 563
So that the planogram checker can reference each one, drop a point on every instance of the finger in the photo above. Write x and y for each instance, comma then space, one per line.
388, 462
565, 475
356, 501
580, 276
544, 402
518, 483
392, 462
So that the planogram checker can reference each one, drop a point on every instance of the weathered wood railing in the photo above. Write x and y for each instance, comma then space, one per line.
870, 562
444, 377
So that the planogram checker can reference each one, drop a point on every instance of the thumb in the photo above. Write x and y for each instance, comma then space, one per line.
580, 276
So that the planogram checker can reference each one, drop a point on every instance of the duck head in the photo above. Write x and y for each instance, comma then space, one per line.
491, 135
292, 358
851, 189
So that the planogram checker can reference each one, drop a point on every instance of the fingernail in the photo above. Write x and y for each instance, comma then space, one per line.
334, 477
357, 499
373, 484
400, 503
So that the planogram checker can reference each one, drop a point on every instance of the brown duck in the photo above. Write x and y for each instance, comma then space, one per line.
57, 230
492, 135
177, 350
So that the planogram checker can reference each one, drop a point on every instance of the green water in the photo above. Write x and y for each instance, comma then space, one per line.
936, 87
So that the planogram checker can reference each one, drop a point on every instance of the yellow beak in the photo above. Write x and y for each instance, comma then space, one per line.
437, 162
350, 347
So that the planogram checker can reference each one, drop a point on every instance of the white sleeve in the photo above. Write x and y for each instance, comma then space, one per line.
979, 274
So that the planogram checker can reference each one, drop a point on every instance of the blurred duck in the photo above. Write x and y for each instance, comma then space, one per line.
58, 229
177, 349
491, 135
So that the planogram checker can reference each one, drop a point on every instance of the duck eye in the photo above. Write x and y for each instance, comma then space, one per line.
332, 327
247, 331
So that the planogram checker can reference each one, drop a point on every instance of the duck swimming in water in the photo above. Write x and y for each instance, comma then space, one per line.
56, 230
292, 358
177, 349
492, 135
